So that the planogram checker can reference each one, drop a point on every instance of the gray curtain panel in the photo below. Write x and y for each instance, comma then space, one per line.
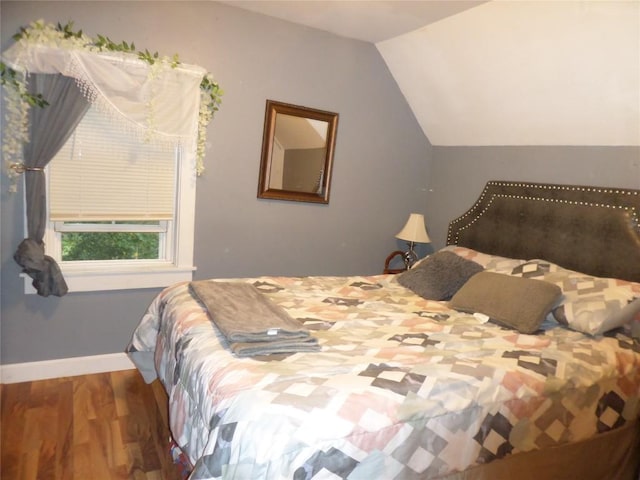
50, 127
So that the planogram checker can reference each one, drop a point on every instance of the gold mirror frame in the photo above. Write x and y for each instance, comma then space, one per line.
297, 153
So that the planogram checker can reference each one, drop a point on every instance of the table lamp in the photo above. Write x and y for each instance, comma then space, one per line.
413, 232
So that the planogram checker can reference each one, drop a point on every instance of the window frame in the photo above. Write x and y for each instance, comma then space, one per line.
89, 276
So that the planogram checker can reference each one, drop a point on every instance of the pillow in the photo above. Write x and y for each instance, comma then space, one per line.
514, 302
492, 263
439, 275
591, 305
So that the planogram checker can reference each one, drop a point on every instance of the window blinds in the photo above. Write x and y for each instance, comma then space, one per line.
103, 173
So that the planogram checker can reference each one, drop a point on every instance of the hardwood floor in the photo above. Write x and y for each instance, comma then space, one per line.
102, 426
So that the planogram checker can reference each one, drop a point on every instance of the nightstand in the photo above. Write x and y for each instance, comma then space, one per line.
393, 255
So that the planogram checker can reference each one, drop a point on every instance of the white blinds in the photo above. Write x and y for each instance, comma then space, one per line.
103, 173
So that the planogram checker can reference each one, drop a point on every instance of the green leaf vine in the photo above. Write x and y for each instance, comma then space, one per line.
67, 37
9, 76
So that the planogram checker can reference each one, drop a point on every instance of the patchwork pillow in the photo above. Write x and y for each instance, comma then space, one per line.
492, 263
513, 302
591, 305
439, 275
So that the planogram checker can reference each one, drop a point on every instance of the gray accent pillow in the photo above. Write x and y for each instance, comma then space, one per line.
439, 276
513, 302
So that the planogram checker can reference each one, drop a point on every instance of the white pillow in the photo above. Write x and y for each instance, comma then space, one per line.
592, 305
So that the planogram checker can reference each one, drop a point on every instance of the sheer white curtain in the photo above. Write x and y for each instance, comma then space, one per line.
155, 102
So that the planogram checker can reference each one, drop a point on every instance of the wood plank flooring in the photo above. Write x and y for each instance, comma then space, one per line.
102, 426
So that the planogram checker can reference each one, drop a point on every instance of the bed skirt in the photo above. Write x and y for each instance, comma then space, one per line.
598, 458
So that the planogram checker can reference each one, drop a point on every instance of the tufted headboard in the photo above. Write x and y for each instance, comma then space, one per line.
594, 230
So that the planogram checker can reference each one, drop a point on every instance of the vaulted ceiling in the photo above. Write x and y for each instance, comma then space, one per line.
500, 72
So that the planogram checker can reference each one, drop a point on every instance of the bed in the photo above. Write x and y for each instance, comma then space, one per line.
513, 352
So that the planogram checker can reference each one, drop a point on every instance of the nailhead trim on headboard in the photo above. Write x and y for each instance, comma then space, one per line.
454, 239
613, 191
510, 219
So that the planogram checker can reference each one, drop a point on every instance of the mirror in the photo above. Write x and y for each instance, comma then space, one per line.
297, 153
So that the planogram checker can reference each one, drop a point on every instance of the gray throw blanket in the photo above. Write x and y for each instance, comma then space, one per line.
250, 321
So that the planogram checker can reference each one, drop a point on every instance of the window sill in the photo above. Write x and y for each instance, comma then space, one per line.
81, 278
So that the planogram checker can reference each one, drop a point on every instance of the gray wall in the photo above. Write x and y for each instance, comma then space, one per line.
380, 170
303, 168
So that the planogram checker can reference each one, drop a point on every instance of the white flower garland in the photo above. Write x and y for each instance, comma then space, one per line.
16, 132
19, 100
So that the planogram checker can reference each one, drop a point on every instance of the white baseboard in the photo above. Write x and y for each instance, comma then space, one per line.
64, 367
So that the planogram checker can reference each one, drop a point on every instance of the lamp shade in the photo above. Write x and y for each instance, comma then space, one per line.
414, 230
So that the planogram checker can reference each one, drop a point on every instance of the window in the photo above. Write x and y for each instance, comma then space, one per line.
120, 210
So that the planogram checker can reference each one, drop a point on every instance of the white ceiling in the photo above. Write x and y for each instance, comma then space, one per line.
501, 72
368, 20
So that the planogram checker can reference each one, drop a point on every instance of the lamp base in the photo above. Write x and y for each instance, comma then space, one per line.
410, 257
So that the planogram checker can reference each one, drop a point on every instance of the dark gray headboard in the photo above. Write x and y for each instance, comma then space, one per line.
593, 230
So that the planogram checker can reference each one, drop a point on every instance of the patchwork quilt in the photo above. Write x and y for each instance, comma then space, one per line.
402, 388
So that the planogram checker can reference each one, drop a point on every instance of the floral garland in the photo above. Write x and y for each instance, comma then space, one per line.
19, 100
16, 134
